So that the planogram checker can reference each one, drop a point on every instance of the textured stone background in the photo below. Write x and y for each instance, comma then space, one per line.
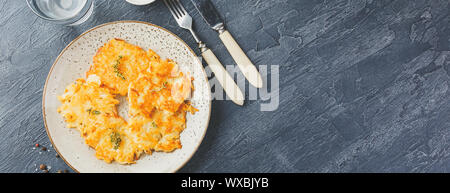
363, 84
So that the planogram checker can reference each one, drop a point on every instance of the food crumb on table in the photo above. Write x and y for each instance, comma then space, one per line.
42, 167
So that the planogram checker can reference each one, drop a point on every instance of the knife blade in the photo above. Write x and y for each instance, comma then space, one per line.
213, 19
209, 13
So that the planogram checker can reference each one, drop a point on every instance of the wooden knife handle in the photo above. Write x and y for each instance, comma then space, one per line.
228, 84
248, 69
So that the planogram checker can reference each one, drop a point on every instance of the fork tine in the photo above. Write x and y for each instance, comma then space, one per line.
171, 9
176, 6
182, 17
181, 7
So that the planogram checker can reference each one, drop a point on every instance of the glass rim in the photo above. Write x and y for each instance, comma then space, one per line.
90, 2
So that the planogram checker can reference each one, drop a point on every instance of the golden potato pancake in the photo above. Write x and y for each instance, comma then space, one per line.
92, 110
117, 63
161, 88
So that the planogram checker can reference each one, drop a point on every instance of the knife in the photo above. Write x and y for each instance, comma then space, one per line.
212, 17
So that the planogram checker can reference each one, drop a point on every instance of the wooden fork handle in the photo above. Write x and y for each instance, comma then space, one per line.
227, 82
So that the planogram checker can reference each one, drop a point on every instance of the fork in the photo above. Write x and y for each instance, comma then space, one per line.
184, 20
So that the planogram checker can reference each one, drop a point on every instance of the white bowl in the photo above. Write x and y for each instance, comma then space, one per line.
140, 2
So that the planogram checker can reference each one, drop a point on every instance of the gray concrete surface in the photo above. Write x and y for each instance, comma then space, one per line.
363, 84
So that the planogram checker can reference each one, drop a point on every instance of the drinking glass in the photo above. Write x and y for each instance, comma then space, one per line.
65, 12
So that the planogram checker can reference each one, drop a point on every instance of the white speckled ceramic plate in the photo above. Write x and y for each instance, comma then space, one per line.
75, 60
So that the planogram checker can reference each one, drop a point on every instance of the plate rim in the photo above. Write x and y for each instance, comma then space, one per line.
111, 23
